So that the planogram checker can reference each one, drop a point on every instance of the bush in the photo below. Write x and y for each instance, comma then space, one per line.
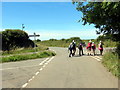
14, 38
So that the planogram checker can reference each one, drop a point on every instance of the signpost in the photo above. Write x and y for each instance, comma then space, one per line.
34, 35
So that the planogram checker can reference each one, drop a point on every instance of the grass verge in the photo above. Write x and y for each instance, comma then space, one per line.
29, 56
26, 50
112, 61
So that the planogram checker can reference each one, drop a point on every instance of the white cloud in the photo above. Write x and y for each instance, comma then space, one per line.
59, 34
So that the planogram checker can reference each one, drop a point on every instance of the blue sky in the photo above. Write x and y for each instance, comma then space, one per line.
49, 19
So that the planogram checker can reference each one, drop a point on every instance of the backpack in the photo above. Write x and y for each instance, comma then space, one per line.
80, 46
74, 45
89, 44
101, 46
93, 46
71, 46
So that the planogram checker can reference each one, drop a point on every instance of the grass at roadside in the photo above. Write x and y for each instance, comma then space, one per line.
111, 61
26, 50
29, 56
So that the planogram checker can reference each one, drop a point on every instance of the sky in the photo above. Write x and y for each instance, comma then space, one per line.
48, 19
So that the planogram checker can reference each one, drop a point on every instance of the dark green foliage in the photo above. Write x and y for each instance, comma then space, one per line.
38, 40
104, 15
53, 40
12, 39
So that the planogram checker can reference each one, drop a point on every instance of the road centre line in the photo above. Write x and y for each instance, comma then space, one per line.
23, 86
26, 66
41, 63
98, 57
95, 58
37, 73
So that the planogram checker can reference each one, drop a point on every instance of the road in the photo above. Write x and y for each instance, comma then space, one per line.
59, 71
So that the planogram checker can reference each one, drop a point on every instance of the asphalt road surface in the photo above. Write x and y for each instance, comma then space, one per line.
59, 71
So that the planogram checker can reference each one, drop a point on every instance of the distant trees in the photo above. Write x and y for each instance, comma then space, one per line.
15, 38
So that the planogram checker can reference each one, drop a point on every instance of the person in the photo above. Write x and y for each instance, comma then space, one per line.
80, 47
74, 47
100, 47
89, 47
93, 46
70, 49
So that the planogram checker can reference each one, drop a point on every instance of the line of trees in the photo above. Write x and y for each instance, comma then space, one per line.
15, 38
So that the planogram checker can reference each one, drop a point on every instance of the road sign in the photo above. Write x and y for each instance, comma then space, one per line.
34, 36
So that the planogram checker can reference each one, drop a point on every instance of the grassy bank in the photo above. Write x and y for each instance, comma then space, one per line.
29, 56
112, 61
26, 50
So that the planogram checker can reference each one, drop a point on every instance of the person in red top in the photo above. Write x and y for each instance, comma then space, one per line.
93, 46
89, 47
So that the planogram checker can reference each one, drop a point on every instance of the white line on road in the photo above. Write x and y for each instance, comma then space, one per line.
43, 61
24, 85
33, 77
96, 58
41, 69
38, 71
25, 66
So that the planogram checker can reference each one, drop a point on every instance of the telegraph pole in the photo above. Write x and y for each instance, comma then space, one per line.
23, 26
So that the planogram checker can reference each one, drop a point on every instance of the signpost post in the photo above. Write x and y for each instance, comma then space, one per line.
34, 35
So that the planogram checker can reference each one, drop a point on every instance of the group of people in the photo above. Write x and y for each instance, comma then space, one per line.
91, 47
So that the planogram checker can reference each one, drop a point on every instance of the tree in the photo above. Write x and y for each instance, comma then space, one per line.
16, 38
104, 15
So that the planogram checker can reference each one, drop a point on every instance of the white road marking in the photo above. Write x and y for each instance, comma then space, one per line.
46, 63
33, 77
96, 58
43, 61
24, 85
25, 66
39, 69
29, 80
37, 73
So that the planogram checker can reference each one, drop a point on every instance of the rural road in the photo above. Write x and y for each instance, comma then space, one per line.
59, 71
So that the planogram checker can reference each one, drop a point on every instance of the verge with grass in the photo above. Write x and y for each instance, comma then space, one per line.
25, 50
29, 56
111, 61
